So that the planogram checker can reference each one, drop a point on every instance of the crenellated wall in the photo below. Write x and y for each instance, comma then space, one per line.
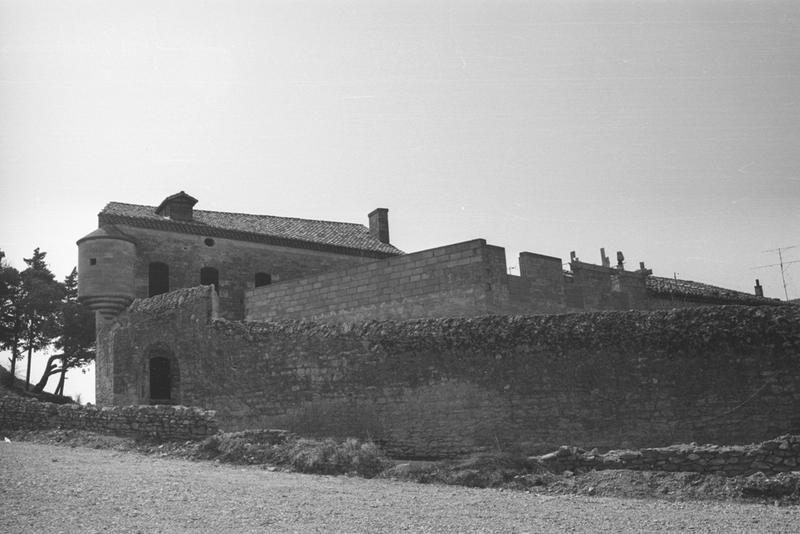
458, 280
462, 280
467, 280
437, 387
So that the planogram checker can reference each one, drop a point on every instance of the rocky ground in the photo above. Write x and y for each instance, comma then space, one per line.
495, 471
75, 488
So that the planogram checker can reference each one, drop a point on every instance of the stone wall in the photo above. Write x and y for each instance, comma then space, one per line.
236, 261
162, 422
150, 327
449, 281
594, 287
466, 280
770, 457
462, 280
437, 387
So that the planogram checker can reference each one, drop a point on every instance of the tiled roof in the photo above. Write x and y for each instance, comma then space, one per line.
172, 300
347, 238
691, 290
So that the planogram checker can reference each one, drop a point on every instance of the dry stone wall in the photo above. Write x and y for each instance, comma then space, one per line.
770, 457
162, 422
438, 387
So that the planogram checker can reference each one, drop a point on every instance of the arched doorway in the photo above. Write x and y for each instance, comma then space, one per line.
161, 376
160, 379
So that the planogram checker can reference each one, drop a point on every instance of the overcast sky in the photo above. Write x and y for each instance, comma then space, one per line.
669, 130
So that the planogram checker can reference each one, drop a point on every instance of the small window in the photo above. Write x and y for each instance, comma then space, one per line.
92, 261
263, 279
209, 242
209, 276
158, 279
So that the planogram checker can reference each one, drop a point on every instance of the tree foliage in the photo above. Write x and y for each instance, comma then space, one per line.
76, 335
38, 312
40, 302
10, 312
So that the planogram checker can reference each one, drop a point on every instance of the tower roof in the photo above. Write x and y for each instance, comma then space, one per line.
108, 231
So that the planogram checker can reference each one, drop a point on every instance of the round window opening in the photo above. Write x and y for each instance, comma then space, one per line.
209, 242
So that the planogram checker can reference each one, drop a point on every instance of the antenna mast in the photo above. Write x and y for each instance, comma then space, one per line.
781, 264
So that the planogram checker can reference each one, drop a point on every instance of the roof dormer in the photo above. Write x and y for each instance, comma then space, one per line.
177, 207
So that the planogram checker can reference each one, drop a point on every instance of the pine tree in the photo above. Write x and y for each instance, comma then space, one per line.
10, 312
40, 303
77, 335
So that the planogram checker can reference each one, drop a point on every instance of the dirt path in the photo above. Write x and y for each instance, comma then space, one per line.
59, 489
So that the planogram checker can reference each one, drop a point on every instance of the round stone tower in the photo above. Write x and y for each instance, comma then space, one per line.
105, 271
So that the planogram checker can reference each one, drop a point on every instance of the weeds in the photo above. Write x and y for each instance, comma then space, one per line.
329, 456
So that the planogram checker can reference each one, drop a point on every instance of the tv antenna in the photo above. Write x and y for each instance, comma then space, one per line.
782, 264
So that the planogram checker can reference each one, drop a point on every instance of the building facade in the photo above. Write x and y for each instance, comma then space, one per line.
199, 307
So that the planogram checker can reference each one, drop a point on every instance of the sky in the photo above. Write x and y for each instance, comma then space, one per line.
669, 130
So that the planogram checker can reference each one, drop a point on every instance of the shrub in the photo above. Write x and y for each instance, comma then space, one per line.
331, 457
328, 456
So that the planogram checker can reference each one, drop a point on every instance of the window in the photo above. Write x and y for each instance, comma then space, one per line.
263, 279
209, 276
160, 379
158, 279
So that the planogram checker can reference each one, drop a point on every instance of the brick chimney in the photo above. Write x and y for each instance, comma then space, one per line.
379, 224
177, 207
759, 289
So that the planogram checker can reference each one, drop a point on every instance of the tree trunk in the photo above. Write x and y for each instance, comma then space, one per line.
14, 356
60, 387
14, 353
13, 369
49, 370
30, 355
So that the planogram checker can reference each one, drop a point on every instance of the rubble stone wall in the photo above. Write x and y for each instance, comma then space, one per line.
439, 387
163, 422
770, 457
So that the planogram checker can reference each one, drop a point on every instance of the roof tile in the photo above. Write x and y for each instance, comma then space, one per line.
698, 290
289, 231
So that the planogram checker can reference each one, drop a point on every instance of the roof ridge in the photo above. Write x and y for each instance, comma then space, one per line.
246, 214
698, 282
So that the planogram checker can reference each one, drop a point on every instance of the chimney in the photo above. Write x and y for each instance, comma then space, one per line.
759, 289
379, 224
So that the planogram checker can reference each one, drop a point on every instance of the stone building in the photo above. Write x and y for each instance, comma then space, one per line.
143, 251
164, 339
265, 267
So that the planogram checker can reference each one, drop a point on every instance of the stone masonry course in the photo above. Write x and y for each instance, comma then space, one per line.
444, 386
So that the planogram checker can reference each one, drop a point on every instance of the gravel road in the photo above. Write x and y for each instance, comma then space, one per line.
46, 489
